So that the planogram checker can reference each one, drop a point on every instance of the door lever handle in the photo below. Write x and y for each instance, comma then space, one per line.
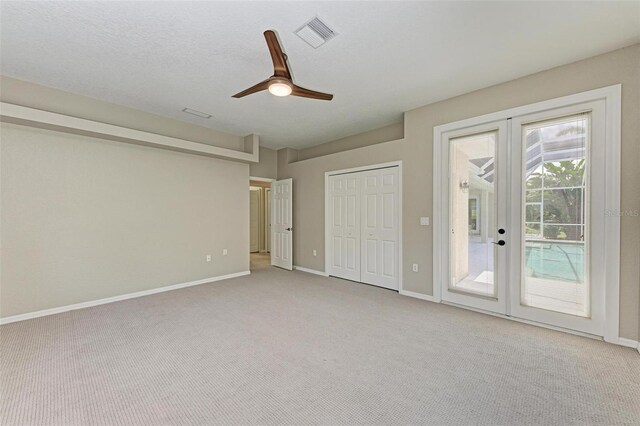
288, 229
500, 243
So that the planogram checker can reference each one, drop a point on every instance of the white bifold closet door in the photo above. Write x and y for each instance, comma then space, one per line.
345, 226
379, 227
365, 226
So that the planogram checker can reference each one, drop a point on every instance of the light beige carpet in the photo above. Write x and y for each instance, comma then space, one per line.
282, 347
259, 261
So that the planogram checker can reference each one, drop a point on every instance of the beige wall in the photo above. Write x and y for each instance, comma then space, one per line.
388, 133
83, 219
415, 150
49, 99
268, 165
308, 195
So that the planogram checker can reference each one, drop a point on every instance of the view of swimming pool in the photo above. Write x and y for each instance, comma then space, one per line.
555, 260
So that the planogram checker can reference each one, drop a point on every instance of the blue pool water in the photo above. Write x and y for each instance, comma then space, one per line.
555, 261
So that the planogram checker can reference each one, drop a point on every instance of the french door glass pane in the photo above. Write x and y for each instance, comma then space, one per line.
555, 214
473, 214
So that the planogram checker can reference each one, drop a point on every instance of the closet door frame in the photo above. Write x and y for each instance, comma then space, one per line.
327, 213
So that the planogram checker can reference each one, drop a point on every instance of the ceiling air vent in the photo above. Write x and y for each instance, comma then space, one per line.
315, 33
196, 113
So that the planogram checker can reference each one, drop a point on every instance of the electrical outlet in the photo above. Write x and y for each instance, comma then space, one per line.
208, 258
415, 267
224, 252
424, 221
315, 253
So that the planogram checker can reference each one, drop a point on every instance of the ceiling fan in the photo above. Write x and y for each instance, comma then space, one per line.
281, 83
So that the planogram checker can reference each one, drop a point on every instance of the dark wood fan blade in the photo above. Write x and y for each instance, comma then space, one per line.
306, 93
280, 68
263, 85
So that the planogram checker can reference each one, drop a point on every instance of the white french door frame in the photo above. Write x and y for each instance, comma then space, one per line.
594, 323
496, 304
611, 96
327, 213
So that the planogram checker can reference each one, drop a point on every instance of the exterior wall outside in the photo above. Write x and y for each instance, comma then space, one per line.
460, 215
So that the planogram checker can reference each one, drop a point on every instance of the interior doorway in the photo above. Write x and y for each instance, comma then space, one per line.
259, 223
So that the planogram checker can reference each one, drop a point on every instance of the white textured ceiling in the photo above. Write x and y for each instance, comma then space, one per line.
390, 57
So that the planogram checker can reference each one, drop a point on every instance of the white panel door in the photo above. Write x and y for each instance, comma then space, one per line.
344, 220
379, 209
282, 224
254, 220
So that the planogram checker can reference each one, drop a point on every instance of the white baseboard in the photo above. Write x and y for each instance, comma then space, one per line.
623, 341
310, 271
525, 321
106, 300
417, 295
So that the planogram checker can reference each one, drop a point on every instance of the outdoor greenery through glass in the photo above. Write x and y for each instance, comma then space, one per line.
555, 214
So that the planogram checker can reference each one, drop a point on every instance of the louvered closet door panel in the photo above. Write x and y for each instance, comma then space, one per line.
345, 226
380, 227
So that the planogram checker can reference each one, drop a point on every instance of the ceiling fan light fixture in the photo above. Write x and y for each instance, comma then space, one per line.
279, 88
280, 83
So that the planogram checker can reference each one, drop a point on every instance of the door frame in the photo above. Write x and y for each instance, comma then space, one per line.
498, 304
263, 208
327, 213
595, 213
267, 220
253, 189
612, 96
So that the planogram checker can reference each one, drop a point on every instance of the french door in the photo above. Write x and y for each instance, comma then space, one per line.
477, 166
524, 204
558, 195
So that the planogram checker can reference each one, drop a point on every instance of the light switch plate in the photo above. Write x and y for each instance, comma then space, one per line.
424, 221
